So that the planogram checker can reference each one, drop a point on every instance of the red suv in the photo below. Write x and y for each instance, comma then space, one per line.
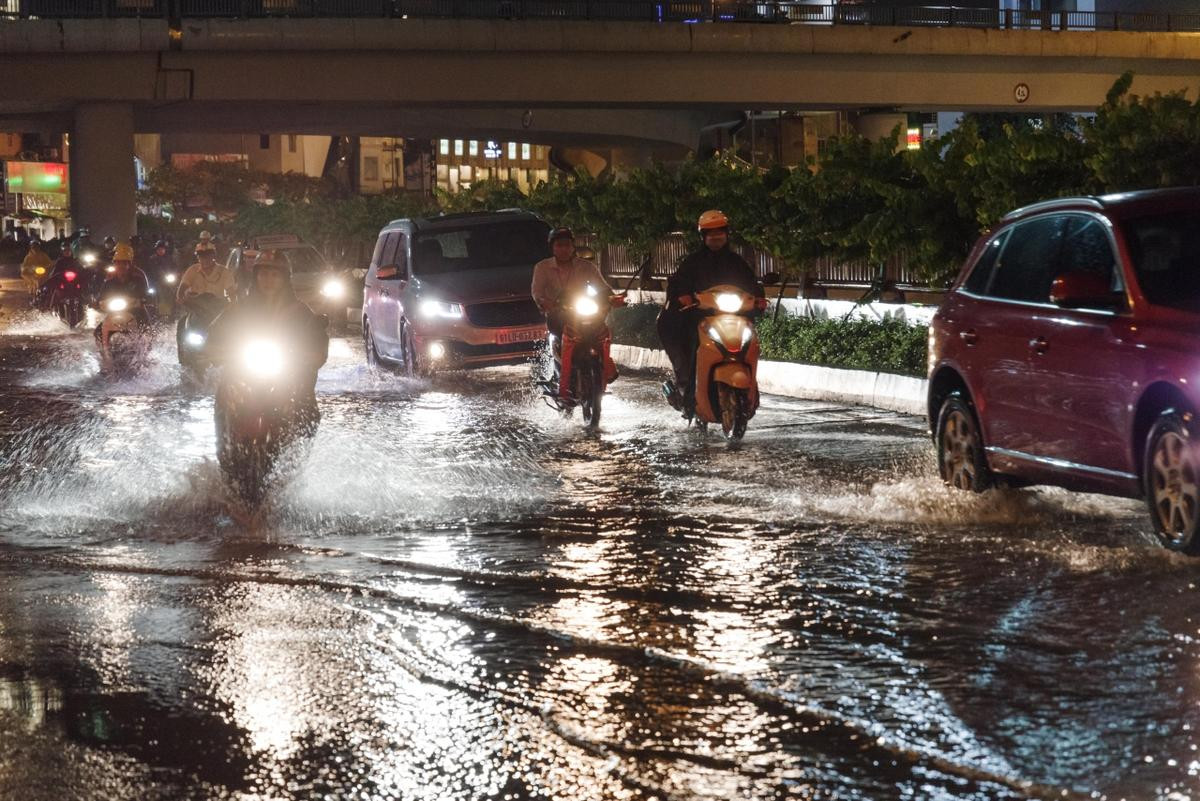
1067, 352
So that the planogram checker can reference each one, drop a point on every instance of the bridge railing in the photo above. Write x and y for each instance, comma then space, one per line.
778, 11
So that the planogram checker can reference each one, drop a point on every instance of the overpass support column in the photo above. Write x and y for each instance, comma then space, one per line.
103, 180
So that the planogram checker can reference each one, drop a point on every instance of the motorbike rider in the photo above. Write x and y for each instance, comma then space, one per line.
713, 264
205, 276
128, 282
35, 258
562, 276
161, 260
110, 247
85, 251
204, 286
272, 305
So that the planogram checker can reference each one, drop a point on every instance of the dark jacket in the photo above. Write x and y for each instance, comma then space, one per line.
300, 331
705, 269
133, 285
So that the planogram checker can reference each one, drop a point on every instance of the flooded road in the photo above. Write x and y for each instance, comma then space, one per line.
460, 595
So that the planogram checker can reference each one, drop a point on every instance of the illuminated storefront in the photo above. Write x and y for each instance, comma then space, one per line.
462, 162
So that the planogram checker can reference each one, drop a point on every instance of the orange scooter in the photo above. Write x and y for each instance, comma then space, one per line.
727, 359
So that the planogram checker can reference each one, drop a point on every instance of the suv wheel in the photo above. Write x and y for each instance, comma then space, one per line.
961, 460
369, 346
1172, 482
412, 369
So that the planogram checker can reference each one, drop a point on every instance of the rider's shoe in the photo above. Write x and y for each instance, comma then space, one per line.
671, 393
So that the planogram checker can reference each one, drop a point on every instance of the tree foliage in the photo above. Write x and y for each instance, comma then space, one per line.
860, 200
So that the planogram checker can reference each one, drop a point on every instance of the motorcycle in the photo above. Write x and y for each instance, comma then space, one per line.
122, 334
66, 296
580, 355
260, 412
191, 334
726, 360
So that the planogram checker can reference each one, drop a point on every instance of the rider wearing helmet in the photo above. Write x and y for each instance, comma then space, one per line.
713, 264
161, 263
562, 275
126, 281
205, 276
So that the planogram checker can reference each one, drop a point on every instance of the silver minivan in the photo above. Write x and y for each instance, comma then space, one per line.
454, 291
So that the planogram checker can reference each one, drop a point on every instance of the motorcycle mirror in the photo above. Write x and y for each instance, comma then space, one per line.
771, 278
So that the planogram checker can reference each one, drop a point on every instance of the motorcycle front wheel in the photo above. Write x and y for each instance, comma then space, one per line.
589, 391
733, 403
70, 312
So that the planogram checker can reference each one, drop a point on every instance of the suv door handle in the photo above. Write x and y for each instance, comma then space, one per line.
969, 337
1039, 345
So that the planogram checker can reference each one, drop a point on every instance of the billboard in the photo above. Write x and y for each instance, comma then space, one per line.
36, 177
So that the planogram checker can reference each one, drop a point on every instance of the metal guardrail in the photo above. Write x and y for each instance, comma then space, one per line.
780, 11
826, 272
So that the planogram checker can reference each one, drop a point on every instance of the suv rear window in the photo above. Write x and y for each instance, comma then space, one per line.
490, 246
1030, 261
981, 273
1166, 258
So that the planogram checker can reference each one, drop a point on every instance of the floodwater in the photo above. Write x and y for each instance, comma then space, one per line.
459, 595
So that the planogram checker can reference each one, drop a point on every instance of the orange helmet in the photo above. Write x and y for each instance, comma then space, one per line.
123, 252
712, 220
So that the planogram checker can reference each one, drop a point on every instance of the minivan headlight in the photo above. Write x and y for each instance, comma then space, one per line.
437, 308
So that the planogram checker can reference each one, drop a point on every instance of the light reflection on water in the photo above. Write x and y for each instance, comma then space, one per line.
460, 595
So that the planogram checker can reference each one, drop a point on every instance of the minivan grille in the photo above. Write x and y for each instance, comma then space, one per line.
504, 313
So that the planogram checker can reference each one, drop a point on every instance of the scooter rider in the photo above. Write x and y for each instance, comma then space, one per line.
713, 264
563, 276
36, 258
272, 305
205, 276
128, 282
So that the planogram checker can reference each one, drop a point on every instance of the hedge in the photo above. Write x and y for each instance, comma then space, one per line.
890, 345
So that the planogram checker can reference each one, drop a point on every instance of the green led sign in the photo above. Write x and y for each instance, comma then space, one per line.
36, 177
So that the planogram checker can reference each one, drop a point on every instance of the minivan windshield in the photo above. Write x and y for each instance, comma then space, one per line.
1166, 257
487, 246
303, 260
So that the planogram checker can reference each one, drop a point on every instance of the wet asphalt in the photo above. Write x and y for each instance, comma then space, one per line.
457, 594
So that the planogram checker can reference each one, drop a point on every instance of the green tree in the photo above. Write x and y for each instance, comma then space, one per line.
1144, 142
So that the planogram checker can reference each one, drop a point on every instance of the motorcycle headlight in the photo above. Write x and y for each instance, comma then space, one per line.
262, 358
437, 308
714, 334
112, 268
729, 302
586, 307
88, 259
39, 270
747, 333
333, 289
194, 338
116, 305
169, 278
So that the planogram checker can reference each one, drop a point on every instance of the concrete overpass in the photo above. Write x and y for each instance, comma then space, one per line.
593, 81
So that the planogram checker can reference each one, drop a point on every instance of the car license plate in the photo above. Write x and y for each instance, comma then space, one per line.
519, 335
